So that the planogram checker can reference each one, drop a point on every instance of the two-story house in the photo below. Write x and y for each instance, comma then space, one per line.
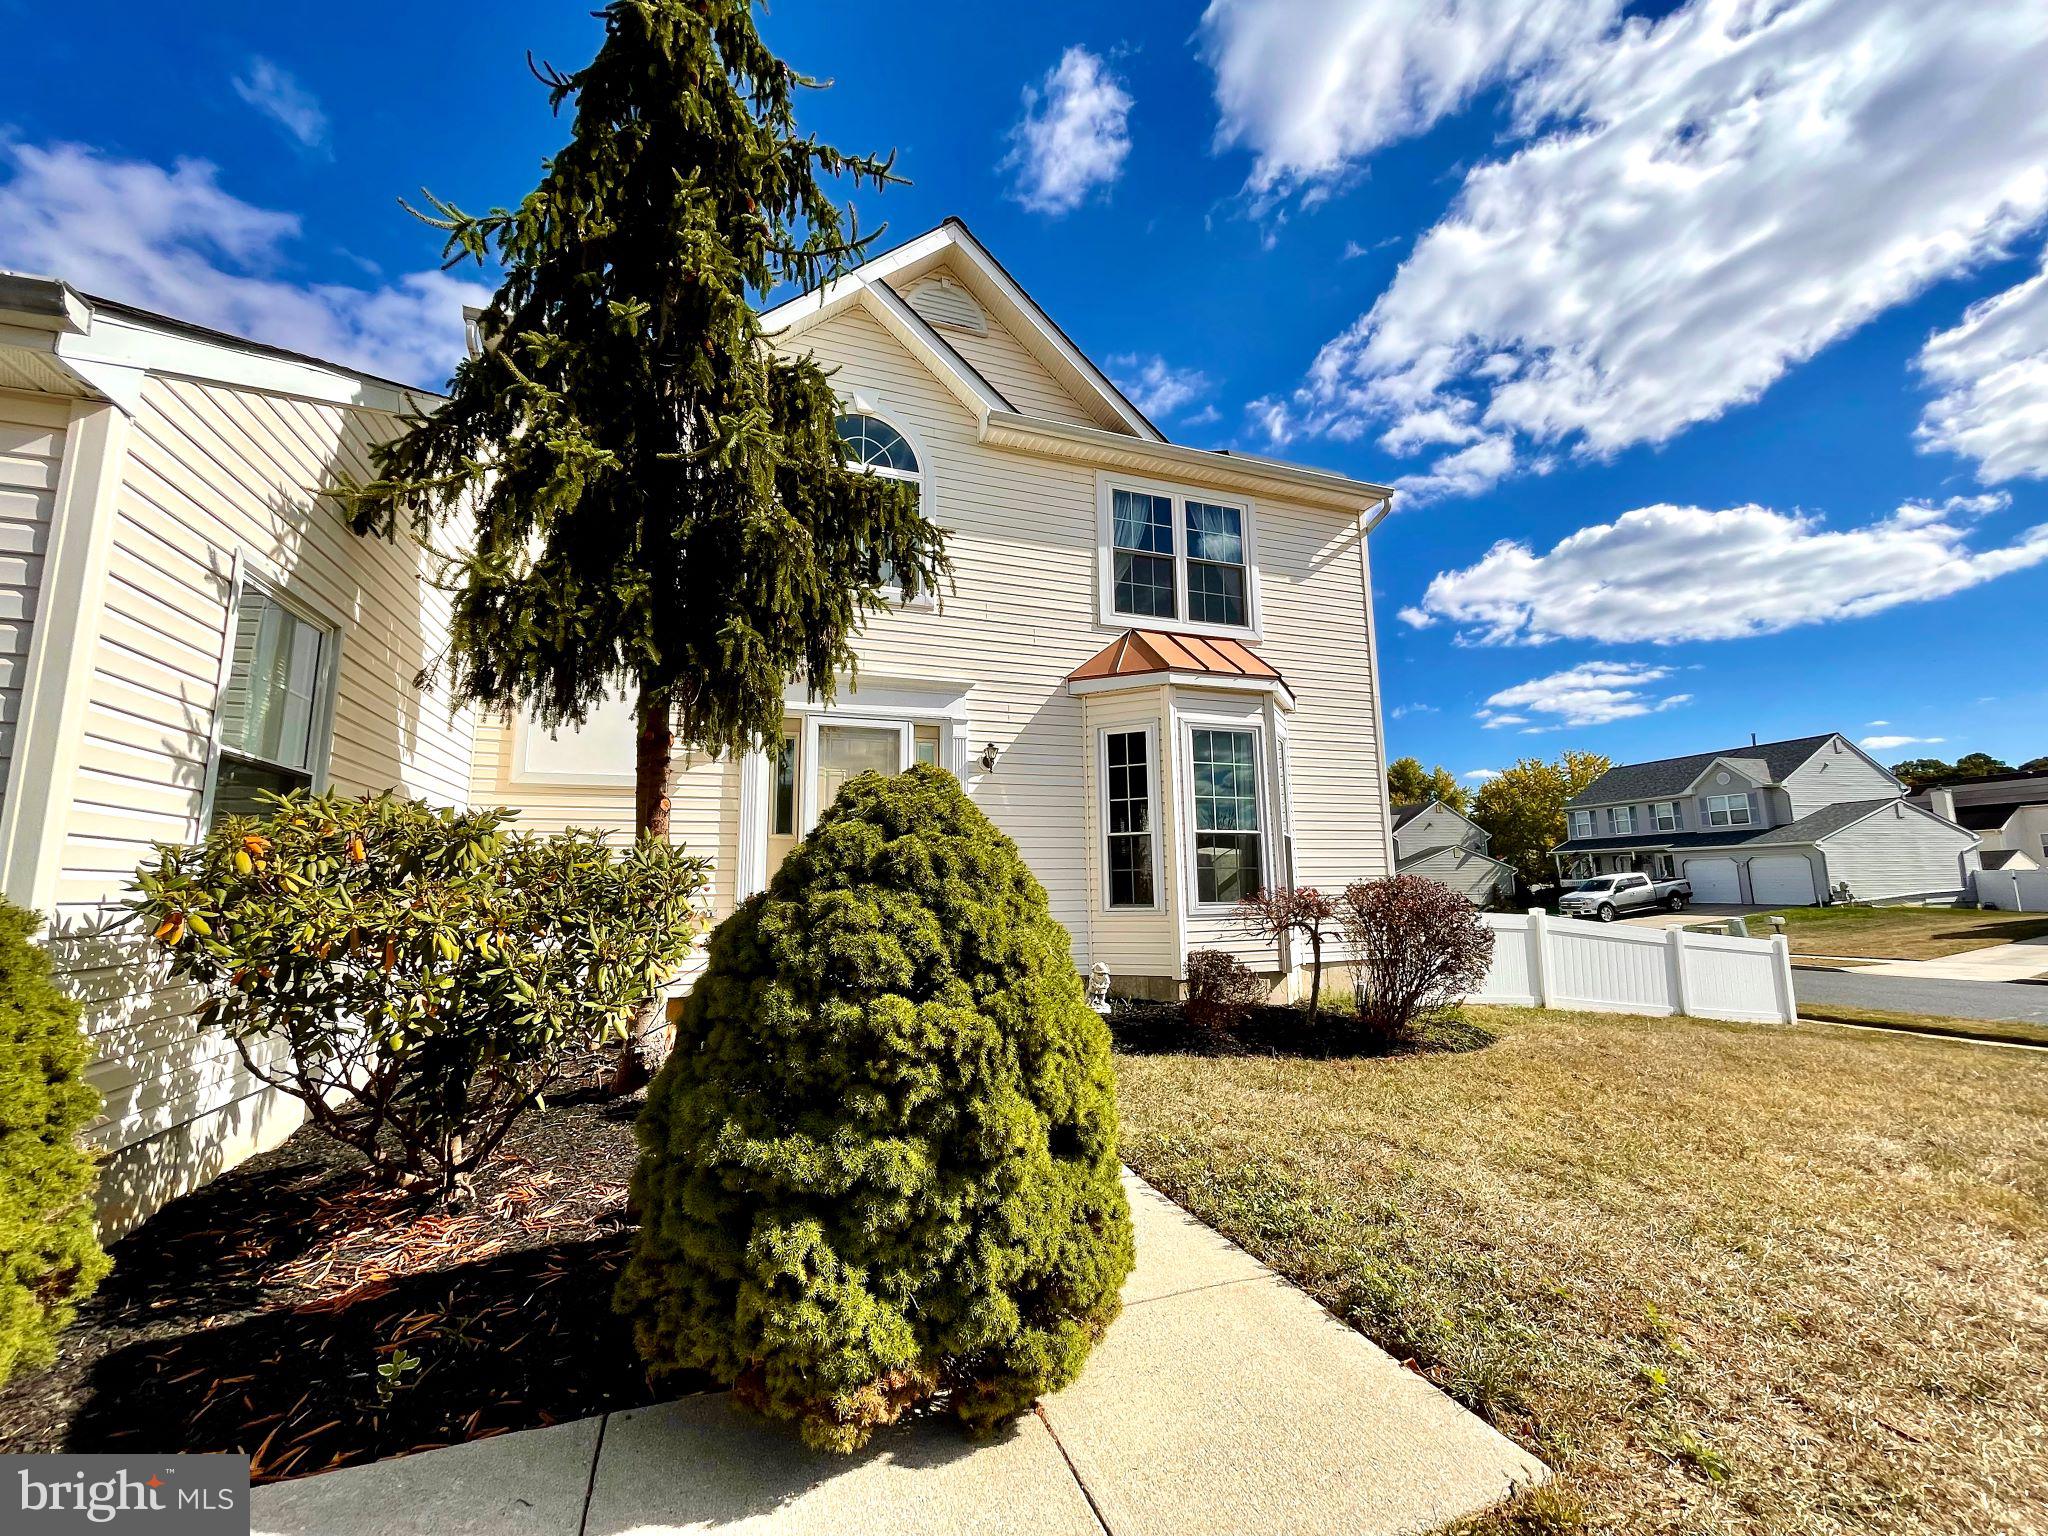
1432, 840
1778, 823
1156, 669
2007, 811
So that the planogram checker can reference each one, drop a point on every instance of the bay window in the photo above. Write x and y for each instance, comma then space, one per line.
1224, 788
1129, 828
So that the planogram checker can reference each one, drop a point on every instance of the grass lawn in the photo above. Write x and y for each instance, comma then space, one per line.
1900, 933
1724, 1278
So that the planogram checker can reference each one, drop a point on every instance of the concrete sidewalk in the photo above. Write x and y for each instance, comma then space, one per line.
1222, 1401
1997, 962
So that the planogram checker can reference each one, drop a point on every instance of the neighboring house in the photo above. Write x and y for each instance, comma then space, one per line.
1156, 669
2008, 812
1784, 823
1432, 839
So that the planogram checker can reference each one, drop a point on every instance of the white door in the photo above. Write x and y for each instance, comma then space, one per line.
1782, 879
1713, 880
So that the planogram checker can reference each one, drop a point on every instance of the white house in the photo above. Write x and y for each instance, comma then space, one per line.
1432, 840
1156, 670
2007, 811
1781, 823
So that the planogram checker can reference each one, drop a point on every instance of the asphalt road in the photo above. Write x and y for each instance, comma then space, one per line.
1910, 994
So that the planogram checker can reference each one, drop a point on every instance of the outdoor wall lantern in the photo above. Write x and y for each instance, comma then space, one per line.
989, 754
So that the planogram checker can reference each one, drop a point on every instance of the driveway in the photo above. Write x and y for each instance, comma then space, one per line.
1701, 914
1924, 995
1998, 962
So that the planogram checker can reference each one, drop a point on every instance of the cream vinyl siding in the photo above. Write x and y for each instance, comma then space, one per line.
1018, 377
1831, 776
213, 473
1020, 616
32, 429
704, 802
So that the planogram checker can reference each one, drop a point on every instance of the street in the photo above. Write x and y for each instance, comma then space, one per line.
1947, 999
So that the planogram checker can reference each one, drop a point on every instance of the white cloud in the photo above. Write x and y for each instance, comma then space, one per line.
1155, 386
1592, 693
278, 96
1992, 371
176, 241
1402, 711
1667, 573
1886, 743
1312, 87
1480, 775
1691, 207
1871, 725
1073, 137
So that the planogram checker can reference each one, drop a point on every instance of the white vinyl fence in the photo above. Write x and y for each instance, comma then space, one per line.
2012, 890
1559, 962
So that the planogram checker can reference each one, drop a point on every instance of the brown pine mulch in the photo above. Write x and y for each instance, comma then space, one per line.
294, 1310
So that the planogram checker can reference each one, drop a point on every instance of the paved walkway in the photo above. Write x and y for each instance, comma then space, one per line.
1222, 1401
1997, 962
1919, 994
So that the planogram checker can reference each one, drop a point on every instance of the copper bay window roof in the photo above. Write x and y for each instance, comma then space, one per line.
1142, 653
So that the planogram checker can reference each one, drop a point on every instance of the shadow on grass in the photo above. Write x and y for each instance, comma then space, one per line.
389, 1366
1145, 1028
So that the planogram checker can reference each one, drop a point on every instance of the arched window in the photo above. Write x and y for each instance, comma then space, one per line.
880, 449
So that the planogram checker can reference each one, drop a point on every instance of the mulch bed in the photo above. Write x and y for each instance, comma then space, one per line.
1153, 1028
297, 1311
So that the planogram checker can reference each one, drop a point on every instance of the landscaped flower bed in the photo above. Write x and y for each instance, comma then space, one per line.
299, 1311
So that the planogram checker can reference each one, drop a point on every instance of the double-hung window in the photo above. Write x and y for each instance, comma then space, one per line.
1621, 820
1727, 810
1666, 813
1185, 559
1582, 823
1129, 829
1143, 531
1224, 784
277, 706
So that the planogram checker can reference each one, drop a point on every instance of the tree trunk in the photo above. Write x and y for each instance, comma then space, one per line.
654, 756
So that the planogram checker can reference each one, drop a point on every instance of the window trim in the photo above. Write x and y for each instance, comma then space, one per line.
1615, 814
1150, 731
1107, 483
861, 403
1577, 830
1657, 818
1252, 726
245, 574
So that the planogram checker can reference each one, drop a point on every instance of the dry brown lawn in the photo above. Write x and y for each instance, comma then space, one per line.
1901, 933
1724, 1278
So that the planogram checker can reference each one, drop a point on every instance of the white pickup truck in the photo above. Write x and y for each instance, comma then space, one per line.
1606, 897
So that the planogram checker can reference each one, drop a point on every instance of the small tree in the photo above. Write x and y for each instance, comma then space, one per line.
1522, 809
1222, 991
660, 501
1409, 783
1274, 914
416, 977
50, 1256
881, 1163
1417, 948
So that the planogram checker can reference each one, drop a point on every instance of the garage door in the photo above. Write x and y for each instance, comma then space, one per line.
1783, 880
1713, 880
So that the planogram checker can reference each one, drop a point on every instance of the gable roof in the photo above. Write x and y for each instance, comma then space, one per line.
1814, 827
1406, 811
1668, 776
1001, 294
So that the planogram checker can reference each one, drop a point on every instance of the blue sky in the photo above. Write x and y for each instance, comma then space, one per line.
1725, 320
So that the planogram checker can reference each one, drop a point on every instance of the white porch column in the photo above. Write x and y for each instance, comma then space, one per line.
750, 872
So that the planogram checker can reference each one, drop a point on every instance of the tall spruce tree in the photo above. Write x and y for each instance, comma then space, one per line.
660, 504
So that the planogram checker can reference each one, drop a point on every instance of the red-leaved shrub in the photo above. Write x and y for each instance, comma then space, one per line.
1417, 948
1222, 991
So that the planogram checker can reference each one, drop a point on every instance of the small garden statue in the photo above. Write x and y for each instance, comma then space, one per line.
1098, 988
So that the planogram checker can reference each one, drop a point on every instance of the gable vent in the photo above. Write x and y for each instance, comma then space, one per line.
943, 302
